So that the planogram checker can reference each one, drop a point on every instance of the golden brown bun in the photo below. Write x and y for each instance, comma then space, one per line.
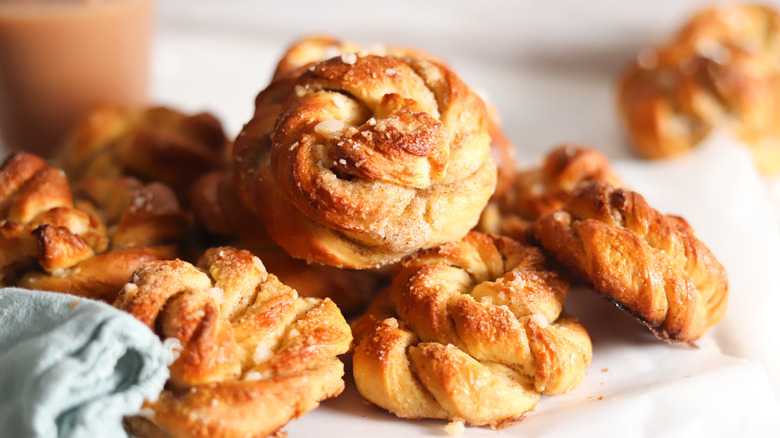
254, 355
219, 211
721, 71
40, 227
470, 330
88, 247
650, 264
318, 48
361, 160
145, 223
139, 214
544, 189
152, 144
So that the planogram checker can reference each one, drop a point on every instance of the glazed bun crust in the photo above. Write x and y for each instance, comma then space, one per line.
361, 160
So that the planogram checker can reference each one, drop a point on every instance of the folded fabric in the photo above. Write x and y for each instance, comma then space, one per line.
73, 367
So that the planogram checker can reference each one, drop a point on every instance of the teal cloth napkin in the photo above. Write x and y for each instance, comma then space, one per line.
73, 367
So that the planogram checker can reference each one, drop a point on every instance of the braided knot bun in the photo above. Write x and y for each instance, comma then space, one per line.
40, 227
648, 263
721, 71
253, 354
470, 330
360, 160
88, 246
144, 222
152, 144
317, 48
544, 189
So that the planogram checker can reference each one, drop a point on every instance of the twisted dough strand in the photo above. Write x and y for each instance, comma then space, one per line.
370, 159
40, 224
472, 330
253, 355
649, 263
219, 210
317, 48
545, 189
144, 222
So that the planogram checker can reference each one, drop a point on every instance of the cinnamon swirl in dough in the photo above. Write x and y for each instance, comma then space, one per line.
313, 49
648, 263
470, 330
362, 159
721, 71
253, 354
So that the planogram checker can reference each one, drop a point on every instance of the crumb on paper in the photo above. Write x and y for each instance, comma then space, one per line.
74, 303
604, 370
601, 397
455, 427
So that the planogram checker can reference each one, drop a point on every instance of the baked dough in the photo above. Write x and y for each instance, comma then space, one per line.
650, 264
313, 49
154, 144
544, 189
40, 227
145, 223
88, 246
363, 159
318, 48
253, 354
220, 213
721, 71
471, 330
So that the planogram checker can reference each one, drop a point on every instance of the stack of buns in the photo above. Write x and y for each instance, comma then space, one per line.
359, 171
